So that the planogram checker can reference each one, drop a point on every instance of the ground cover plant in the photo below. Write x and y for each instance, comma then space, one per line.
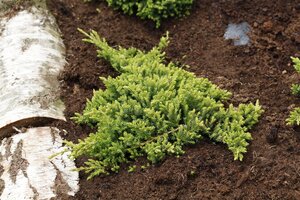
153, 109
260, 70
294, 118
155, 10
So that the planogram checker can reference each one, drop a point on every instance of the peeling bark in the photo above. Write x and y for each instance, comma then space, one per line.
27, 172
32, 54
18, 163
2, 183
61, 187
7, 148
35, 192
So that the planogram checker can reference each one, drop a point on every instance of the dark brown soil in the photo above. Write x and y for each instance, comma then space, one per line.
262, 70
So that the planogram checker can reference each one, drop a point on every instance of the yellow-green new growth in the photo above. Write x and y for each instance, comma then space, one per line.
153, 109
294, 118
296, 62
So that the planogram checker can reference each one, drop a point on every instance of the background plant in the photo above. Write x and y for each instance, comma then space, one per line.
153, 109
294, 118
155, 10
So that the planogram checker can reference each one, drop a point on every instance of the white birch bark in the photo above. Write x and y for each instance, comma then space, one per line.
26, 172
32, 54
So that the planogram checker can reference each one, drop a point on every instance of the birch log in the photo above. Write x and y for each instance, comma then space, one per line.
26, 172
32, 54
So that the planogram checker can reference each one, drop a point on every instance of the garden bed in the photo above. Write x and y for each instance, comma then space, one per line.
261, 70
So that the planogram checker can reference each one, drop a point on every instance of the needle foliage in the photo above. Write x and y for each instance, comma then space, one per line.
155, 10
294, 118
153, 109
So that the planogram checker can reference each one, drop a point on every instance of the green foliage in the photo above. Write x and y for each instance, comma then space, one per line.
296, 62
153, 109
192, 173
132, 168
294, 118
295, 89
155, 10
